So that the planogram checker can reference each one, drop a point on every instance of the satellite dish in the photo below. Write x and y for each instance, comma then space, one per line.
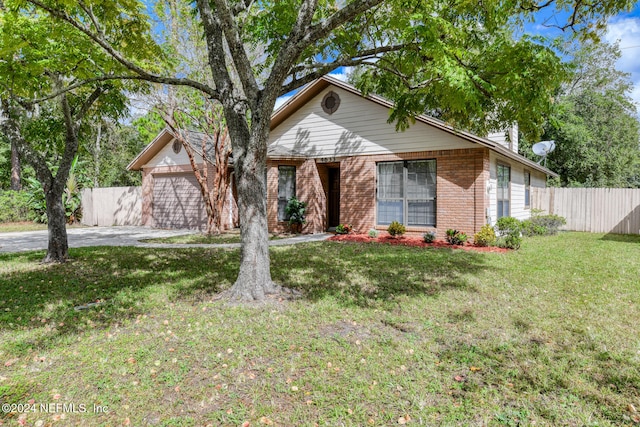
543, 148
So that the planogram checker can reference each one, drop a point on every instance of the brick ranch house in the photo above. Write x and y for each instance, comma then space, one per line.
333, 148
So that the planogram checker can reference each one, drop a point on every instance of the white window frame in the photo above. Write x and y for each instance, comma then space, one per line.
500, 212
405, 199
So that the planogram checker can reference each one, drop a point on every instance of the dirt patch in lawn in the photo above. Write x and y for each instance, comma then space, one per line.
411, 241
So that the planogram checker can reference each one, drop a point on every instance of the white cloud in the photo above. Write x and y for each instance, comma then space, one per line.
342, 73
626, 31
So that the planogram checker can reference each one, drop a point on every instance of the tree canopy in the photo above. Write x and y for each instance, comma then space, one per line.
44, 108
594, 123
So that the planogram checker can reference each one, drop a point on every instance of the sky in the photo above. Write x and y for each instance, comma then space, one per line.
624, 28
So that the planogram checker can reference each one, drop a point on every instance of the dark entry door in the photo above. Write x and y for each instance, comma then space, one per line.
334, 197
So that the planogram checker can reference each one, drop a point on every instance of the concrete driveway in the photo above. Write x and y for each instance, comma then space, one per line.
119, 236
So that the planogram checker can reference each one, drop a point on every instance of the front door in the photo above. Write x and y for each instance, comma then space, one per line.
334, 197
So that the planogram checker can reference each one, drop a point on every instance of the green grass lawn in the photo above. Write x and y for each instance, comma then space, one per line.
9, 227
201, 238
547, 335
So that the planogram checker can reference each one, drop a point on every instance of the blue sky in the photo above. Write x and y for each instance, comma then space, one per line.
623, 28
626, 29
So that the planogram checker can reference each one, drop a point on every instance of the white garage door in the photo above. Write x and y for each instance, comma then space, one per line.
177, 202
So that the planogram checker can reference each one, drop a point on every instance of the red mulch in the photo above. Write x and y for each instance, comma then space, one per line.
410, 241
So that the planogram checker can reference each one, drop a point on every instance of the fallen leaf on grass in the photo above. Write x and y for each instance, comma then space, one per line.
403, 420
459, 378
475, 369
10, 362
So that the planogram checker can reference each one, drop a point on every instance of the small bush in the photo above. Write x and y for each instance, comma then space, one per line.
429, 236
485, 237
296, 211
14, 206
455, 237
396, 229
508, 225
530, 228
373, 233
510, 241
509, 232
344, 229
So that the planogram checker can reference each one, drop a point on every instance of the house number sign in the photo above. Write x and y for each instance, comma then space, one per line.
327, 160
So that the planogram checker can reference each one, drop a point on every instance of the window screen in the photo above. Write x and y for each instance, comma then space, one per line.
286, 189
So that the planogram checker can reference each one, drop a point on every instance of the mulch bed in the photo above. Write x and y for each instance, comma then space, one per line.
410, 241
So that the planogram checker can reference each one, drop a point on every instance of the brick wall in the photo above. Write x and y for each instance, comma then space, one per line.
461, 190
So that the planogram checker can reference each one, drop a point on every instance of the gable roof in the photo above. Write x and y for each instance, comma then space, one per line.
194, 139
312, 89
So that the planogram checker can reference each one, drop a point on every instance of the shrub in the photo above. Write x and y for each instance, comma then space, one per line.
542, 225
373, 233
396, 229
551, 223
429, 236
455, 237
344, 229
295, 210
531, 228
485, 237
14, 206
509, 231
510, 241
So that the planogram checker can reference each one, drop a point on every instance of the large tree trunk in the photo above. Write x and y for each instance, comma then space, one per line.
58, 249
15, 168
254, 279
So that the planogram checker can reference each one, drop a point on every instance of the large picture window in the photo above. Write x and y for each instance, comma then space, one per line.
504, 193
286, 189
407, 192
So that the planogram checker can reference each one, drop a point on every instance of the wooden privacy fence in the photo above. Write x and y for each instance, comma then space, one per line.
112, 206
597, 210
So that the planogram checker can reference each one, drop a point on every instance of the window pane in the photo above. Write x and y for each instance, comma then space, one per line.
421, 179
390, 180
286, 189
286, 181
389, 211
421, 212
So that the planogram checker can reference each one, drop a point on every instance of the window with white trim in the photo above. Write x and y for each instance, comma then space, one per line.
406, 192
504, 190
286, 189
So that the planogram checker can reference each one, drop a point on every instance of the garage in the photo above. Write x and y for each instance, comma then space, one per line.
177, 202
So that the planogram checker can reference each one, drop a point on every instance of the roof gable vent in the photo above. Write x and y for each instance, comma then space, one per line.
330, 102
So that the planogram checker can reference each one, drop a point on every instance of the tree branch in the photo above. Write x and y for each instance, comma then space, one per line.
236, 49
77, 85
144, 74
217, 57
320, 69
86, 105
323, 29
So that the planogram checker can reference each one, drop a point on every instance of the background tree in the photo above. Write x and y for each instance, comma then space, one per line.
195, 120
594, 123
306, 39
44, 110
